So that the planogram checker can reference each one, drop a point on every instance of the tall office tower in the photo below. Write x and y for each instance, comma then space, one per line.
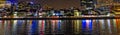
4, 4
88, 4
87, 25
104, 3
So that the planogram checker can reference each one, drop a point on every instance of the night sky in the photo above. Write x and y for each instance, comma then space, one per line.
57, 4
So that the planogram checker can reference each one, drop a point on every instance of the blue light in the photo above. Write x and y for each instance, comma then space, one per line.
34, 27
90, 26
19, 25
13, 1
19, 22
83, 25
35, 14
59, 25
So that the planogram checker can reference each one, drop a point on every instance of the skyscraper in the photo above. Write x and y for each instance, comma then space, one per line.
88, 4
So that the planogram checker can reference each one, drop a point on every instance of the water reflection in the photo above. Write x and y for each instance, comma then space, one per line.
45, 27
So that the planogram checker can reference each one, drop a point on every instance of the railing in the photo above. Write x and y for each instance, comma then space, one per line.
64, 18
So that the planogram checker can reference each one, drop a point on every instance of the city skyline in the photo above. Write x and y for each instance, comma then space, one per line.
58, 4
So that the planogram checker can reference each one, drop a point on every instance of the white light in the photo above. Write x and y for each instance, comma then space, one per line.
53, 13
31, 2
40, 16
108, 14
15, 14
5, 16
109, 24
15, 23
90, 2
56, 14
40, 13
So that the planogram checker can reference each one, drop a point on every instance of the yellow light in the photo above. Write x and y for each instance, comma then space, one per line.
4, 4
117, 9
117, 12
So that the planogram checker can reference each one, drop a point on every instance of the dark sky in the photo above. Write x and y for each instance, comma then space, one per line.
58, 3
